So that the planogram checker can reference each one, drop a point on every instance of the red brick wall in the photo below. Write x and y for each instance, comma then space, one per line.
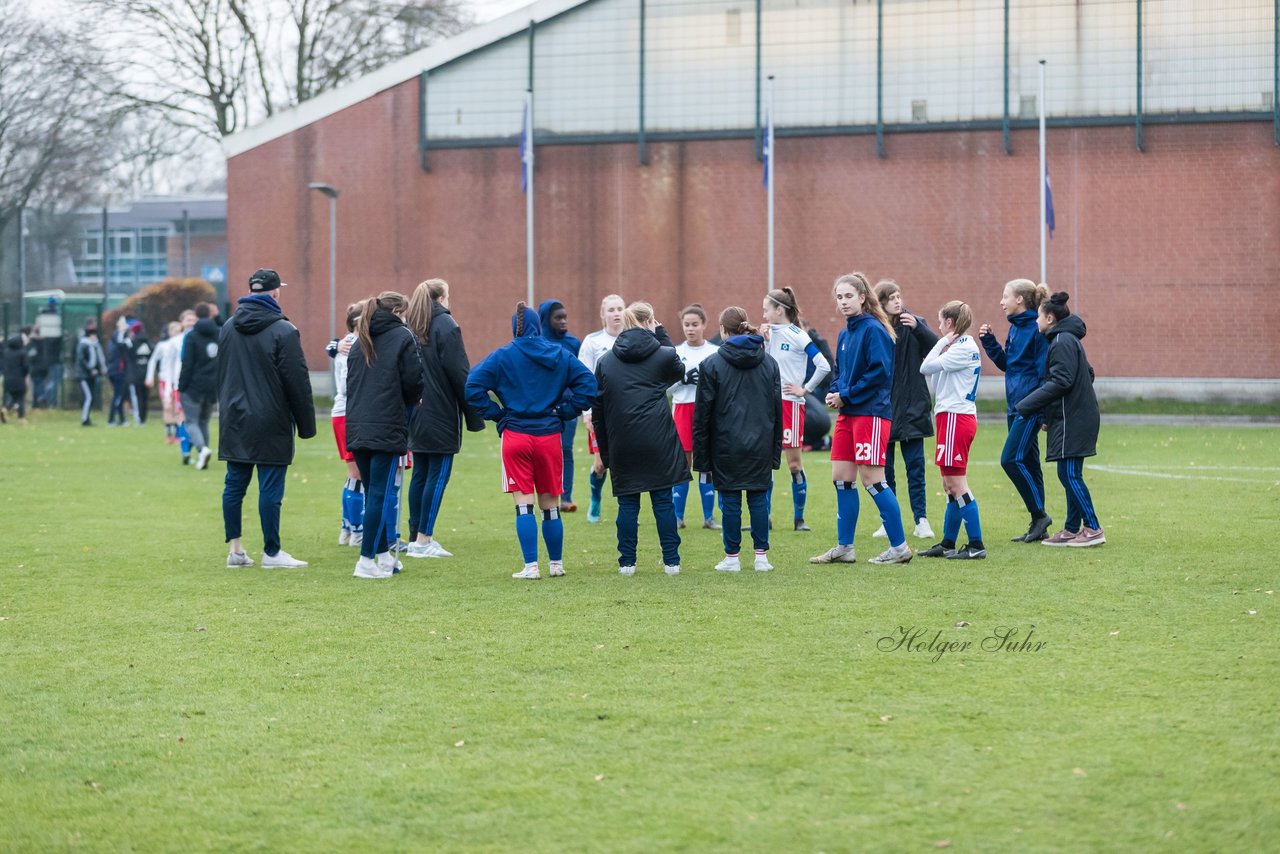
1172, 256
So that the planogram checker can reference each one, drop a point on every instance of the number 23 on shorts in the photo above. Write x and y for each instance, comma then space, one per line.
862, 452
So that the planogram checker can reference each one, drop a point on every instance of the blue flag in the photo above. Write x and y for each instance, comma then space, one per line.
1048, 203
526, 148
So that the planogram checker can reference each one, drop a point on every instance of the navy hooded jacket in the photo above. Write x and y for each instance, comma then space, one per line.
539, 384
564, 339
1022, 358
864, 359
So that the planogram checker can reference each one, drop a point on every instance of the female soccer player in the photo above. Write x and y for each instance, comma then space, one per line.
1071, 414
737, 433
384, 380
792, 348
555, 327
435, 433
539, 387
861, 393
692, 352
594, 346
353, 490
636, 433
911, 402
956, 364
1022, 360
165, 366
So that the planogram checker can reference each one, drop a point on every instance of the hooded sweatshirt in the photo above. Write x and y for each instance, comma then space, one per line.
1066, 397
864, 355
1021, 358
539, 384
564, 339
737, 419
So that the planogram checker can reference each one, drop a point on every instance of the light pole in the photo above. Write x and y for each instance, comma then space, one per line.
332, 193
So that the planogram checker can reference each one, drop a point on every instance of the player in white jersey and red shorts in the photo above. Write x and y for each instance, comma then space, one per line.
954, 364
594, 346
692, 351
793, 349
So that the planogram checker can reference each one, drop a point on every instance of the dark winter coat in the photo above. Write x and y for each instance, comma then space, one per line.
380, 395
90, 360
539, 386
632, 419
119, 355
737, 417
436, 427
1021, 358
264, 389
1066, 397
16, 365
912, 403
199, 377
142, 351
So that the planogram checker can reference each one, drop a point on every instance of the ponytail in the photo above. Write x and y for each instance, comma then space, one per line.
388, 301
425, 296
518, 332
734, 321
637, 315
786, 299
959, 314
870, 303
1033, 295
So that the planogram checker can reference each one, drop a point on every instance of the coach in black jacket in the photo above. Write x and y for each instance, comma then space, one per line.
264, 393
636, 434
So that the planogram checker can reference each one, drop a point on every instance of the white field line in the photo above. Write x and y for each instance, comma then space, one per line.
1145, 471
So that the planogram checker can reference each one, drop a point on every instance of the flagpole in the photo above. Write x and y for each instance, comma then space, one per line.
528, 196
1044, 226
773, 162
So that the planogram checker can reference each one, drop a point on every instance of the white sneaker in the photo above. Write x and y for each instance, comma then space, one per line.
388, 561
202, 462
837, 554
239, 559
556, 571
762, 563
530, 571
923, 531
344, 538
281, 560
628, 571
880, 532
437, 550
671, 570
902, 554
418, 550
356, 539
729, 564
367, 567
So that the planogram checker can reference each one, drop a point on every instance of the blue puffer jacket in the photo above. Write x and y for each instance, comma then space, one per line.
539, 384
864, 360
1021, 358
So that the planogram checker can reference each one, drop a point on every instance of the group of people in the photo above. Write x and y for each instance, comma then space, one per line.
721, 409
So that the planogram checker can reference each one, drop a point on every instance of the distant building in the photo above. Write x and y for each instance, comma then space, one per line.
152, 239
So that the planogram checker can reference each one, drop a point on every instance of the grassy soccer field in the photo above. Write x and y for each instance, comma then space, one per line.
155, 700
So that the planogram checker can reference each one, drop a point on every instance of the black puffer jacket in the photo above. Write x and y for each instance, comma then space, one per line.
199, 376
380, 395
737, 417
437, 424
634, 428
264, 390
16, 365
1066, 395
912, 403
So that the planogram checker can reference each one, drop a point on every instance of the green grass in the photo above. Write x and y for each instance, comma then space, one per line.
1161, 406
154, 700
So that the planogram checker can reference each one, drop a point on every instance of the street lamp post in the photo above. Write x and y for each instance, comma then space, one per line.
332, 193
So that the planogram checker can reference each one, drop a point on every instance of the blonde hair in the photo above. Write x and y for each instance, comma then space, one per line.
391, 301
637, 315
958, 313
425, 295
606, 299
870, 303
1031, 293
733, 320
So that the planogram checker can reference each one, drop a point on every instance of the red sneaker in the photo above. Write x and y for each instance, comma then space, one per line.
1088, 537
1062, 538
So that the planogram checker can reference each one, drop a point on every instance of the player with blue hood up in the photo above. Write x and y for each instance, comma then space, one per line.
555, 326
539, 387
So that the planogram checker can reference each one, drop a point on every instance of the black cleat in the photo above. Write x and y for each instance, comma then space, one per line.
801, 526
968, 552
1039, 530
937, 551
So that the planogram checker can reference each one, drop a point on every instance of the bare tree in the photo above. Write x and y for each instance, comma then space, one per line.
217, 66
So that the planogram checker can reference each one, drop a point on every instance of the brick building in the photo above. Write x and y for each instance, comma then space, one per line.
647, 123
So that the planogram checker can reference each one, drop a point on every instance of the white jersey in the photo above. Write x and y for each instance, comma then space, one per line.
954, 375
594, 346
340, 377
683, 392
789, 346
166, 361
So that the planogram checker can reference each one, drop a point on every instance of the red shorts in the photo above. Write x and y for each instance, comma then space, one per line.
955, 435
861, 439
340, 436
592, 446
682, 413
532, 464
792, 424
